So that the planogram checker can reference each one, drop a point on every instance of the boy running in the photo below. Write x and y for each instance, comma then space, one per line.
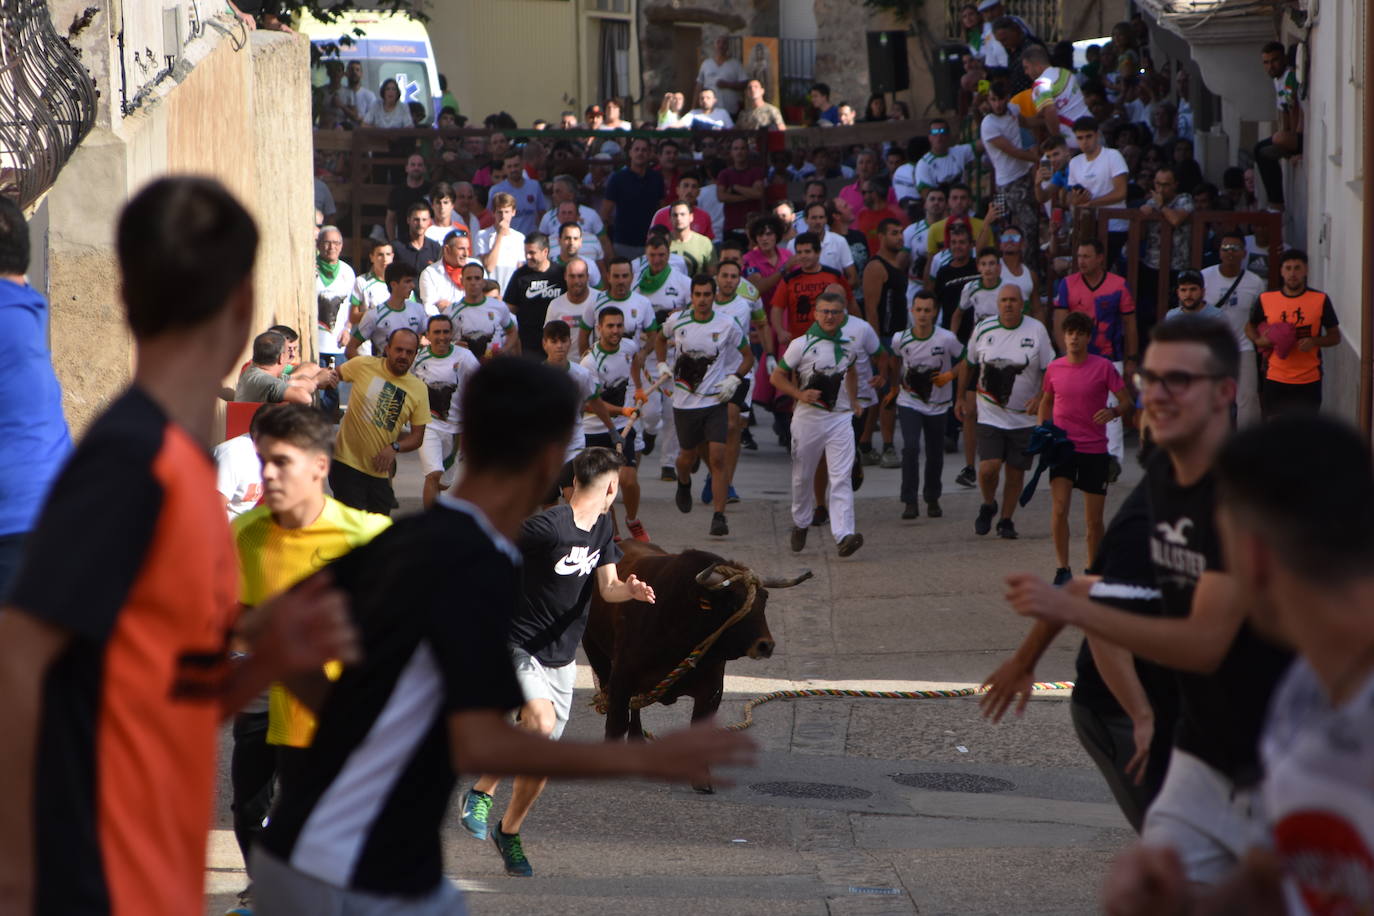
925, 357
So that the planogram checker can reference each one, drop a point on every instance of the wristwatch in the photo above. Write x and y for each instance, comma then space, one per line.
396, 446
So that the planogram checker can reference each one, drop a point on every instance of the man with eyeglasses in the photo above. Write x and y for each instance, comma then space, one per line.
1233, 290
1016, 272
1207, 811
1176, 207
945, 163
334, 282
1293, 377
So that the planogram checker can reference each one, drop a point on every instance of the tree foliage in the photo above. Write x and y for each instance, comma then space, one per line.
906, 10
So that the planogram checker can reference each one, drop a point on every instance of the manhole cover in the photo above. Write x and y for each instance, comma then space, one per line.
808, 790
954, 782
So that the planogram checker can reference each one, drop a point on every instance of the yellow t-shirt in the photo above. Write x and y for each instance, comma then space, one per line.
379, 406
935, 236
271, 560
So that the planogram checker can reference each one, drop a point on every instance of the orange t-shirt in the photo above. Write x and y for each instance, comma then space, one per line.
797, 293
1309, 313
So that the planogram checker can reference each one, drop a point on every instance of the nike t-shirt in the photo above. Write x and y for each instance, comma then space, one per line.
558, 577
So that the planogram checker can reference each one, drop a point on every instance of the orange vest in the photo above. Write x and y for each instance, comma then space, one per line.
1305, 313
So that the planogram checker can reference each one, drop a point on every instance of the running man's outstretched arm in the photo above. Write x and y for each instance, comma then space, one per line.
615, 590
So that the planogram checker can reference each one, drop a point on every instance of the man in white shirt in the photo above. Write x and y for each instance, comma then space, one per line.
400, 310
944, 163
525, 191
238, 474
564, 189
501, 247
835, 251
1233, 290
1012, 165
1098, 177
570, 247
441, 283
724, 75
334, 281
570, 306
708, 114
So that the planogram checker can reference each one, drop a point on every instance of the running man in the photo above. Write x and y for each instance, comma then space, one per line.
400, 310
295, 531
616, 363
1207, 810
481, 323
116, 679
1007, 358
357, 827
885, 309
977, 302
745, 311
557, 343
1077, 387
567, 550
925, 361
826, 389
668, 290
638, 313
444, 369
703, 385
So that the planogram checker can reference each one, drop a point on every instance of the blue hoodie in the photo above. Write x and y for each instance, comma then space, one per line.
34, 442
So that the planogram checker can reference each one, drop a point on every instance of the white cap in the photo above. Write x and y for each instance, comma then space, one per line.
610, 148
986, 5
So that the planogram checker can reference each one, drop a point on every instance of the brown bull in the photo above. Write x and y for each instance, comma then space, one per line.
633, 646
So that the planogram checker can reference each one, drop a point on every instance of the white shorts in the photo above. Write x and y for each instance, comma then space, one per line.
439, 453
540, 682
1202, 816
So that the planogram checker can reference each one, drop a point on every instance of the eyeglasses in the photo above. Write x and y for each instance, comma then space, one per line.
1232, 247
829, 312
938, 130
1175, 381
1010, 238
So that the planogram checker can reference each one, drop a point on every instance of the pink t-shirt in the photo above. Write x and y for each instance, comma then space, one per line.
1079, 392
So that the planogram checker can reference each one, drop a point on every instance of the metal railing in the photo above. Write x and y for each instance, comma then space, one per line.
47, 100
1041, 15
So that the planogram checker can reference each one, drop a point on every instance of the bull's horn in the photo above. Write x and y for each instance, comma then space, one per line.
776, 582
713, 578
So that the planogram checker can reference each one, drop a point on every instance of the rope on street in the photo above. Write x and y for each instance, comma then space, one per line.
748, 719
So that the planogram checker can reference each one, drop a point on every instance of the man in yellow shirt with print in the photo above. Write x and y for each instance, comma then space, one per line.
294, 532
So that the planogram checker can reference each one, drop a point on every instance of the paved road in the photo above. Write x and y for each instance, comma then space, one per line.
864, 807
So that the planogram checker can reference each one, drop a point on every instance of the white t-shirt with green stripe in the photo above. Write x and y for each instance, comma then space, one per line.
445, 377
702, 356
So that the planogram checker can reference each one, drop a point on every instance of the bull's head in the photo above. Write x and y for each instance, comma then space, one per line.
742, 595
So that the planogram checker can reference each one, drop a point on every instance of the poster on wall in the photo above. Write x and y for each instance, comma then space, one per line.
760, 59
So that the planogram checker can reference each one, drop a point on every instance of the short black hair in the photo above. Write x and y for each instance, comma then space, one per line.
268, 348
1274, 47
513, 409
298, 424
592, 463
14, 238
807, 238
557, 329
439, 317
1094, 243
417, 206
923, 293
397, 271
1087, 124
1292, 254
538, 240
1306, 483
704, 280
822, 88
1079, 322
987, 250
1213, 333
610, 311
184, 244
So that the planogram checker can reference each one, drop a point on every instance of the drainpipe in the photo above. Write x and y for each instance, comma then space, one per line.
1367, 290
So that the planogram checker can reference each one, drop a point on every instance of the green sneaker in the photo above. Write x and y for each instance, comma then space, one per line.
476, 807
512, 853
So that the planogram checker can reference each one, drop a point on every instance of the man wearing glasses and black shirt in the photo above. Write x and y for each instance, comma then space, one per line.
1233, 290
1207, 810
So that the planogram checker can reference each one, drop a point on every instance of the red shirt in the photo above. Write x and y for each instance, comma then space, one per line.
867, 222
701, 221
737, 213
797, 293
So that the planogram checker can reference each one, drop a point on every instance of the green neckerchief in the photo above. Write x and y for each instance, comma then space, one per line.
326, 270
834, 337
650, 283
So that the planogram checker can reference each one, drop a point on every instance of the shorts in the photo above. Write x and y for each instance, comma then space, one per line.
603, 440
741, 396
281, 890
1088, 472
701, 424
1006, 445
1205, 818
544, 682
439, 453
352, 487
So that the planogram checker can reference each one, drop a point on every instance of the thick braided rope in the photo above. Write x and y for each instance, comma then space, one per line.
748, 719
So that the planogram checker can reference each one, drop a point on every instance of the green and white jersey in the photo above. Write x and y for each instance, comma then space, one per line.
369, 291
611, 371
821, 363
980, 299
859, 335
933, 171
445, 377
332, 299
481, 326
639, 315
923, 359
1286, 91
379, 323
743, 311
1011, 364
667, 294
703, 354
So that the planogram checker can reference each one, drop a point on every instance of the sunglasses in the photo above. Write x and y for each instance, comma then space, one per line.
1232, 247
938, 130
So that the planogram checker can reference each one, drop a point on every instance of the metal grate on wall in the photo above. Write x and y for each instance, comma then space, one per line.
798, 65
47, 100
1041, 15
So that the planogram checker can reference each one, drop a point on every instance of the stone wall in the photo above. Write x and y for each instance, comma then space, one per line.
240, 114
657, 19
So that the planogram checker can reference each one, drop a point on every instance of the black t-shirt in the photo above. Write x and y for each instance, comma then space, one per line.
400, 199
948, 283
1222, 713
1128, 584
432, 597
559, 574
893, 307
419, 258
529, 293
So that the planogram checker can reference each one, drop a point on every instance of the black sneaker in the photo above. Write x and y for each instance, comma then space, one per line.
1062, 575
983, 523
746, 441
850, 543
668, 474
1007, 530
512, 852
649, 440
1113, 469
856, 474
951, 444
684, 495
820, 517
910, 511
798, 540
719, 528
967, 477
933, 509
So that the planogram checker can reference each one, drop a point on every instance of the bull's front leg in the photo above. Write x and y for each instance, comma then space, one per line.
705, 704
618, 715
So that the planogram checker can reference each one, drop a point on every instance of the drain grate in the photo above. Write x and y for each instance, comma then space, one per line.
809, 790
954, 782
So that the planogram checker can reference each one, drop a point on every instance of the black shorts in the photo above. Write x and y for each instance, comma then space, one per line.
361, 491
741, 396
1088, 472
603, 440
1006, 445
701, 424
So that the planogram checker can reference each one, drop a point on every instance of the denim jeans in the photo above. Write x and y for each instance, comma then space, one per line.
915, 426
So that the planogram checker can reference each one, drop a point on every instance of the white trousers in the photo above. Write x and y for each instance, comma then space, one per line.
1115, 429
814, 433
667, 437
